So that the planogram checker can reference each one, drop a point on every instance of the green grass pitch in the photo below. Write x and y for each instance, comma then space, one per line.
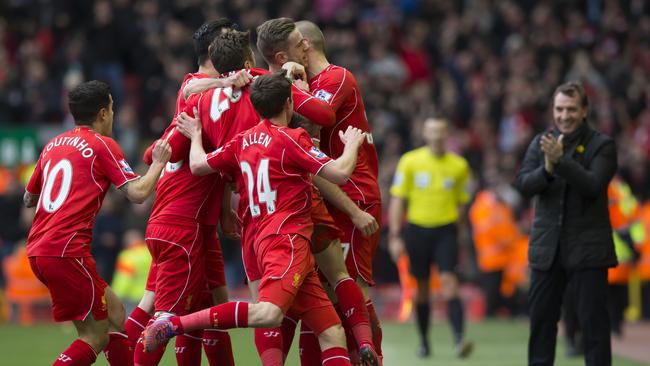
497, 343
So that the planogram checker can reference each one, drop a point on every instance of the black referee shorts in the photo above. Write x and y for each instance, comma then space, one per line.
431, 245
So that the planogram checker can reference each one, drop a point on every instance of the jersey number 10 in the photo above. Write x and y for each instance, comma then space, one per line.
49, 177
264, 193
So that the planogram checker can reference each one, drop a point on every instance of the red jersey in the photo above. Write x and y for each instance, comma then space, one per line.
276, 164
313, 109
72, 176
338, 87
179, 194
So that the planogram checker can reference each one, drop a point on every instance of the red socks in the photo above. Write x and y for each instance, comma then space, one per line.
310, 354
134, 325
118, 352
336, 356
188, 349
79, 353
375, 326
224, 316
217, 347
353, 309
288, 331
269, 346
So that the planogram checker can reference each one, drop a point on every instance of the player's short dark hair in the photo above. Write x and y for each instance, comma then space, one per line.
229, 51
87, 99
272, 37
269, 93
205, 34
573, 88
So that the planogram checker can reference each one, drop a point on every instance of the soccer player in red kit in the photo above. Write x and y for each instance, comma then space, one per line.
181, 234
282, 45
70, 180
276, 164
338, 87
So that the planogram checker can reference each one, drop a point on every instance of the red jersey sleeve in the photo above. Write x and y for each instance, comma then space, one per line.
224, 159
302, 153
311, 108
112, 163
335, 88
36, 181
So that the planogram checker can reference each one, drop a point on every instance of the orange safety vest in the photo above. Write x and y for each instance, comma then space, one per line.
494, 231
622, 214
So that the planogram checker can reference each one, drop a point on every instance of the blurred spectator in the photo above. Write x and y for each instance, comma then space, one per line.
132, 269
107, 236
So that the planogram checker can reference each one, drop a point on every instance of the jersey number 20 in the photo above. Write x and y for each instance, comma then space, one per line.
264, 193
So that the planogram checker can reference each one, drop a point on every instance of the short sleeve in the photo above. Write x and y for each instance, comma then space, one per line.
402, 180
36, 181
302, 154
335, 87
112, 162
462, 196
224, 159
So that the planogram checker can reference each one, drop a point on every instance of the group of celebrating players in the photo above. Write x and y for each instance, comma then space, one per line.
308, 219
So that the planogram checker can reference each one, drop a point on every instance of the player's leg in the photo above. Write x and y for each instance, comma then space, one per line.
278, 256
180, 280
139, 317
216, 344
349, 296
419, 243
447, 260
319, 316
84, 304
118, 351
359, 252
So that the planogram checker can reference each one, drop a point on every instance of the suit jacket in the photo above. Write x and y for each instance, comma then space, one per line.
571, 207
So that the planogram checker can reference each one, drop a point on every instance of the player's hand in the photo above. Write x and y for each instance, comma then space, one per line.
352, 136
161, 152
230, 225
302, 85
365, 222
395, 247
188, 126
295, 71
239, 79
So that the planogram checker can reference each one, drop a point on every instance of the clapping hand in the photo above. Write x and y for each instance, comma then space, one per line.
553, 150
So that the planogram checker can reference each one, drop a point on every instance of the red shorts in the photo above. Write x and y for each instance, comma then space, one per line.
214, 267
325, 229
291, 283
248, 256
358, 250
179, 257
75, 287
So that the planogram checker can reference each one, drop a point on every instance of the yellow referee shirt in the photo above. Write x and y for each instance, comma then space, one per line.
432, 186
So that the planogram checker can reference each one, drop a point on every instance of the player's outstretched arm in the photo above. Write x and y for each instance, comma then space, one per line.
339, 170
191, 128
362, 220
236, 80
138, 190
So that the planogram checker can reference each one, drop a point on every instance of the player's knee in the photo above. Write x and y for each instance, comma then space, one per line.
97, 340
333, 336
220, 295
269, 315
449, 285
117, 314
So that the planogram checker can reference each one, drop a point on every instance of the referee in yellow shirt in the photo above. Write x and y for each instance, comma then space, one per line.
429, 185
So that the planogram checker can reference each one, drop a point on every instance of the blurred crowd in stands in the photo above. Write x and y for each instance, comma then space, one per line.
489, 66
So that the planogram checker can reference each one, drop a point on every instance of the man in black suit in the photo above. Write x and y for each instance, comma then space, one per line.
568, 170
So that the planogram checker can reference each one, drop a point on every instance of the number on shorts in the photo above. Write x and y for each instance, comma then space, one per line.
264, 193
346, 249
50, 176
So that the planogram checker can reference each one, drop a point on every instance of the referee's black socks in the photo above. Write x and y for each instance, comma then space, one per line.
422, 313
456, 317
